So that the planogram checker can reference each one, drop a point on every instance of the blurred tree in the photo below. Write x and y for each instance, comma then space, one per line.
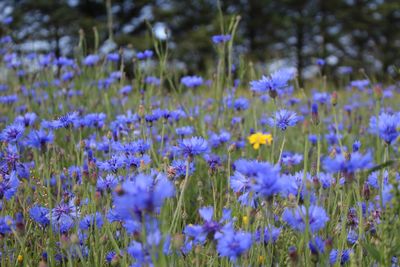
360, 33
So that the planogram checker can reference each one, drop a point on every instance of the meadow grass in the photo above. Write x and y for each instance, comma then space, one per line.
99, 168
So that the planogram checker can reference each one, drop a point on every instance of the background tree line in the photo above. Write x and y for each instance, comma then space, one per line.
358, 33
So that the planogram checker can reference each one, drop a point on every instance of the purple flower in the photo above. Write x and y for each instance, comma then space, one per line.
296, 218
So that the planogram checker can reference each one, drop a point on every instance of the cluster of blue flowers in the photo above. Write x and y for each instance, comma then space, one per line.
89, 157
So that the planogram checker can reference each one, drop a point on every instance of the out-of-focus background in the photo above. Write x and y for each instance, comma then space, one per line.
345, 33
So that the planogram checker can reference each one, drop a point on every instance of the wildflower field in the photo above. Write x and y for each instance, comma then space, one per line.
105, 165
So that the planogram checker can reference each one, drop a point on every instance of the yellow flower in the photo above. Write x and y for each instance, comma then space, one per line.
245, 220
258, 139
20, 258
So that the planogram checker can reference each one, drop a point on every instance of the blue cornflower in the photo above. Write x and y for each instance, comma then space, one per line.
253, 179
39, 138
333, 138
321, 97
356, 145
185, 130
40, 215
27, 120
231, 243
108, 183
8, 99
267, 181
12, 133
373, 179
290, 159
145, 193
344, 256
352, 237
141, 146
316, 245
222, 38
218, 139
317, 218
271, 234
110, 256
387, 126
241, 103
193, 146
152, 80
6, 225
95, 120
283, 119
116, 162
144, 55
359, 84
198, 232
91, 221
345, 70
65, 121
274, 84
126, 90
192, 81
213, 161
178, 168
9, 185
91, 60
63, 216
113, 57
325, 179
347, 163
320, 62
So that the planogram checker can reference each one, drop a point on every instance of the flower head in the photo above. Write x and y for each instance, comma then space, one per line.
296, 218
387, 126
273, 84
283, 119
192, 81
258, 139
233, 244
222, 38
193, 146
